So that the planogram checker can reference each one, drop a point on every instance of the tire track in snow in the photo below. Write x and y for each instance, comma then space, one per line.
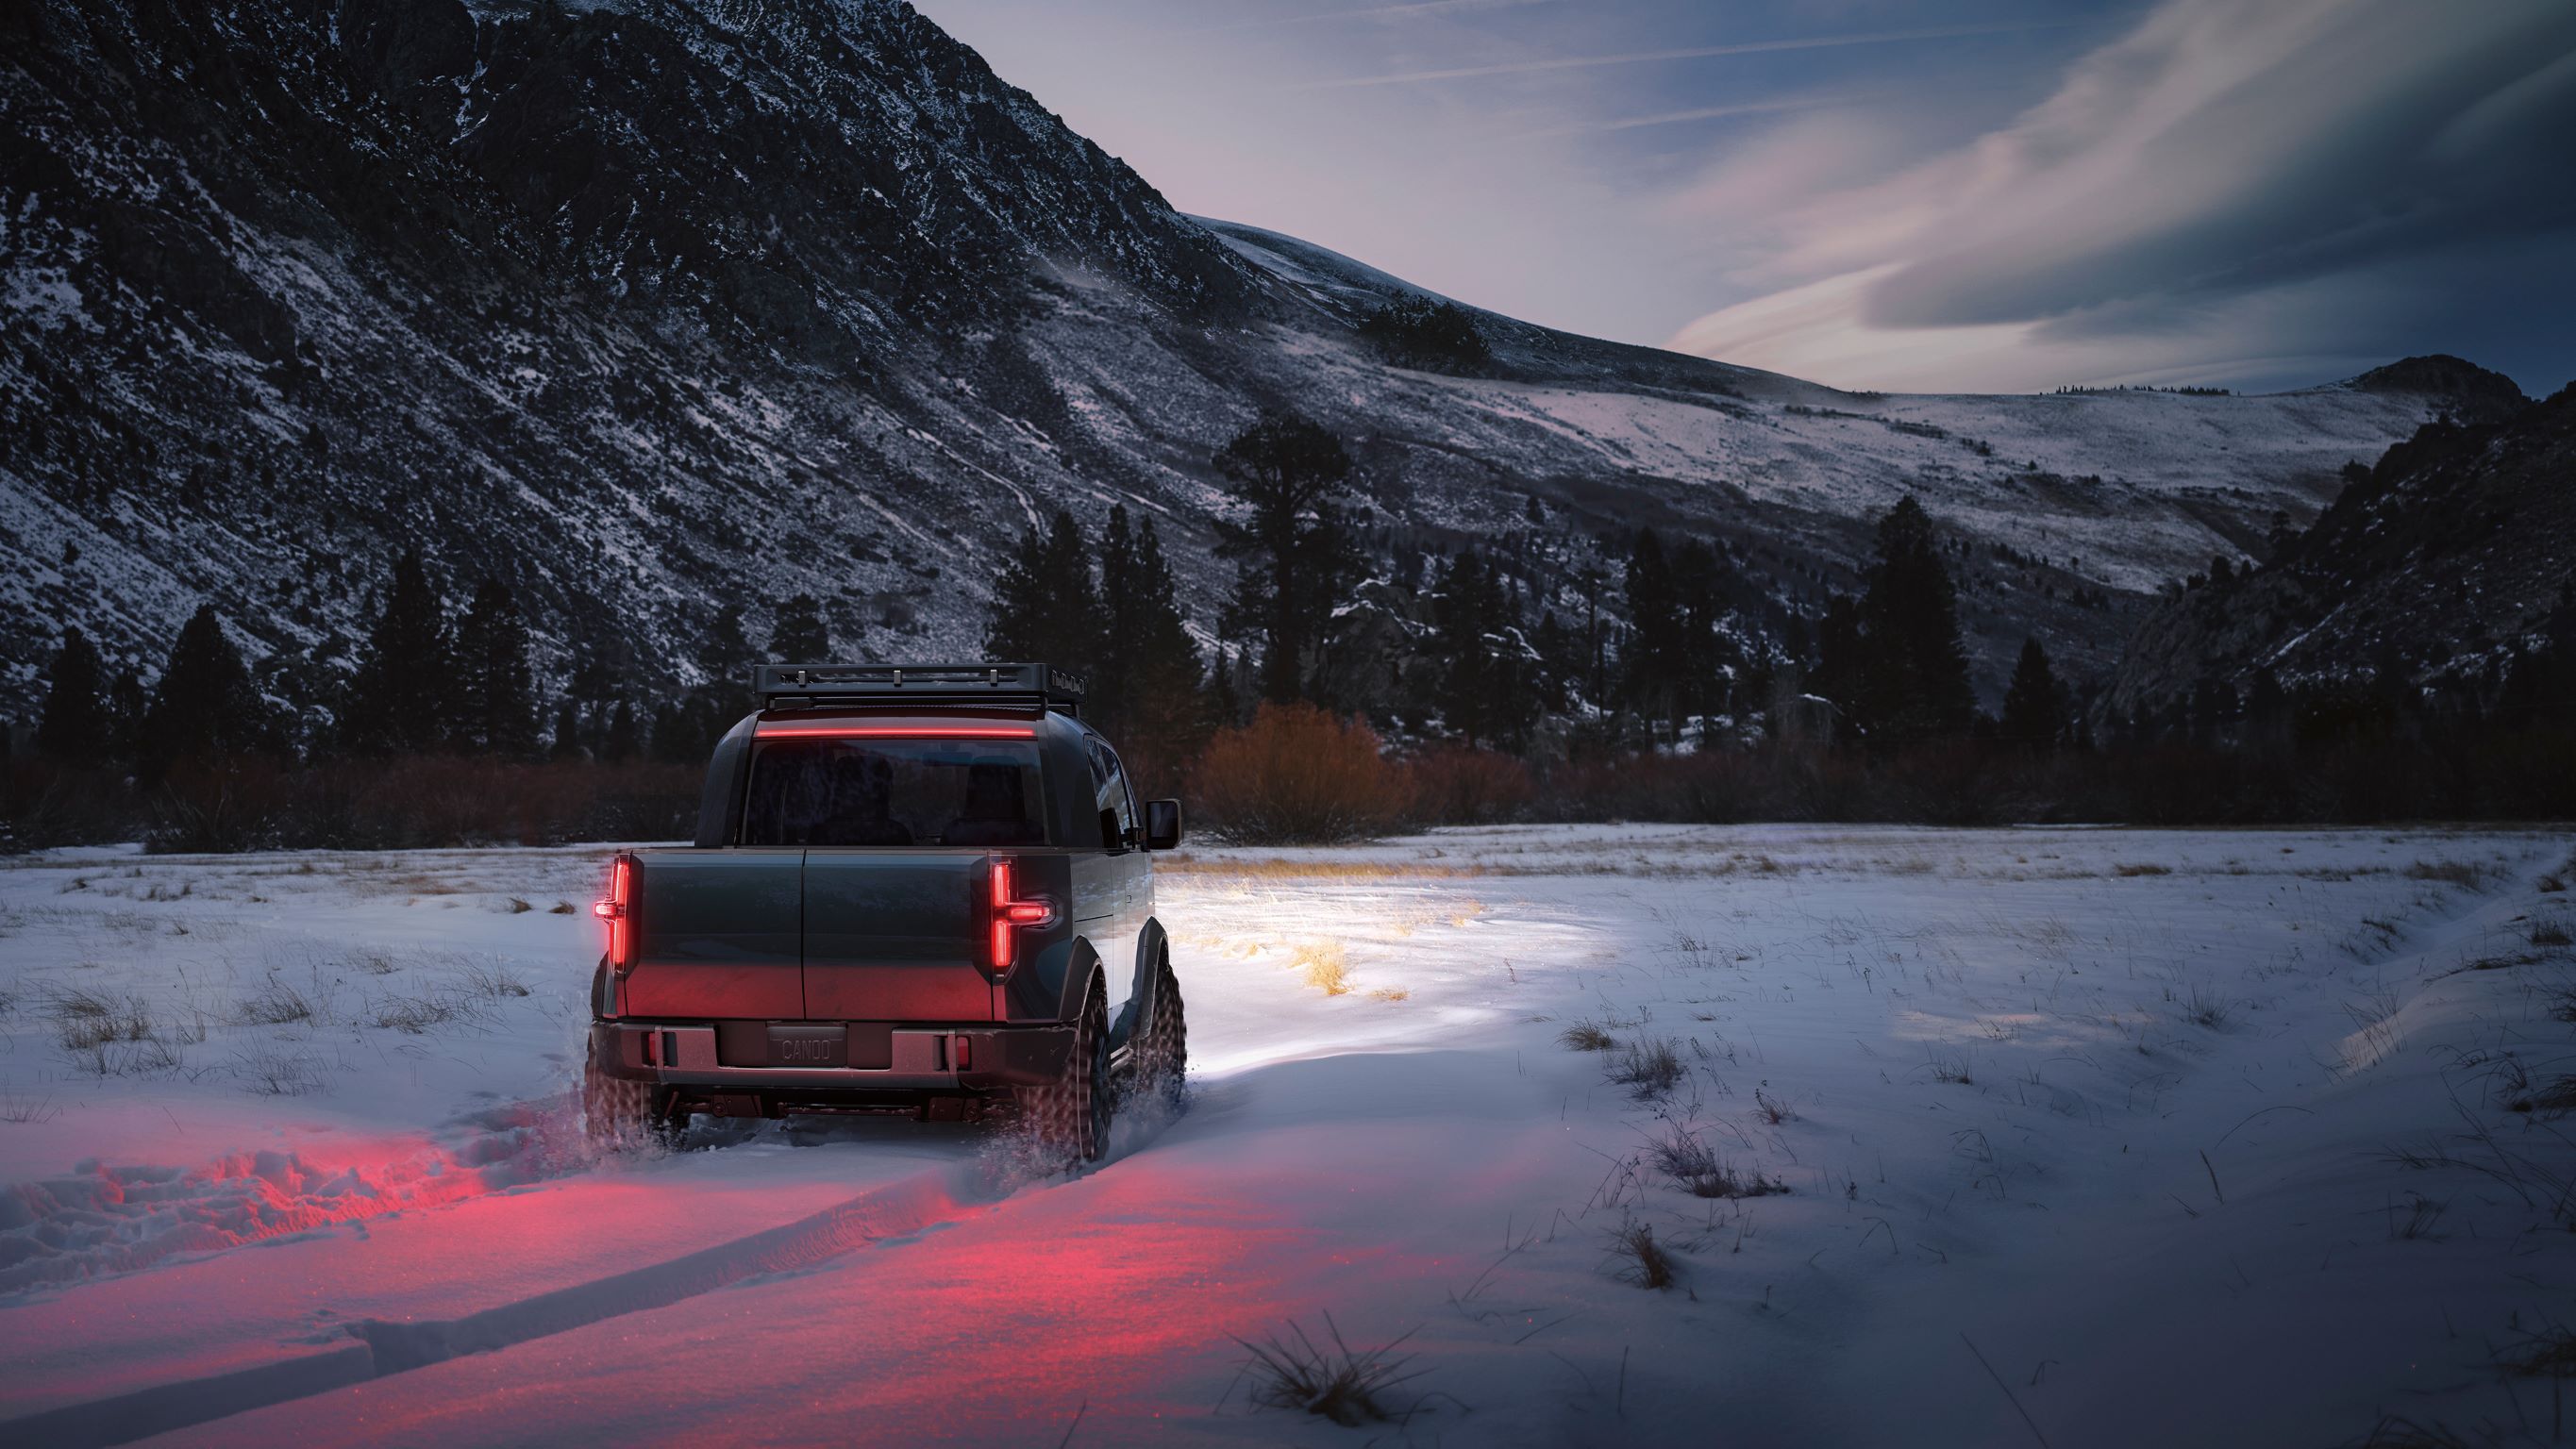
884, 1215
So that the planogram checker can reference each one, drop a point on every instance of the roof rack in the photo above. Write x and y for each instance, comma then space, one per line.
1011, 686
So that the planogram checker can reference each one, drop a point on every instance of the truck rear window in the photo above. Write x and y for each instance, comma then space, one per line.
894, 792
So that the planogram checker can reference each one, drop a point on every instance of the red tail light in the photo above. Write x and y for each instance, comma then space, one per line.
619, 912
1010, 913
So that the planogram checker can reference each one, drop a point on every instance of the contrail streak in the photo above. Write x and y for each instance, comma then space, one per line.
1374, 12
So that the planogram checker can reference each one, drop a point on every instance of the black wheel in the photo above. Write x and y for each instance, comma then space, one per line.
1163, 1052
616, 1114
1070, 1116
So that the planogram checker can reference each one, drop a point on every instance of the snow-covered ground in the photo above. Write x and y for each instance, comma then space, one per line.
2064, 1136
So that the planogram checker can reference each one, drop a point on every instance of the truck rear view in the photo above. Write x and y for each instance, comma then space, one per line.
924, 890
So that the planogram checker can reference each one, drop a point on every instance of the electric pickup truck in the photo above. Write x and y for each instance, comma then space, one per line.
915, 889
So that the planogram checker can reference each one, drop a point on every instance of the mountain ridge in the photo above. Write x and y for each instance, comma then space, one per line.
642, 307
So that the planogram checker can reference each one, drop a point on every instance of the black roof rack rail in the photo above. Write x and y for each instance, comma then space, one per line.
816, 686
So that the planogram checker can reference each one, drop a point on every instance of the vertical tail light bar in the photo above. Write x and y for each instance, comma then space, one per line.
618, 910
1010, 913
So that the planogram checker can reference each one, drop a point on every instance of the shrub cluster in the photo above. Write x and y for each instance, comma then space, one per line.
257, 803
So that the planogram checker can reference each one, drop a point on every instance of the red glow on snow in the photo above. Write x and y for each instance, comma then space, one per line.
895, 732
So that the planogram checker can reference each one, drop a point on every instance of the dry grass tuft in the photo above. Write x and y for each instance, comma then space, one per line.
2203, 1009
1325, 965
1772, 1109
494, 980
419, 1015
2556, 1099
85, 1021
30, 1110
274, 1004
2468, 875
1684, 1156
1641, 1259
2141, 868
1648, 1069
561, 908
275, 1073
2545, 1353
1332, 1381
1391, 993
1588, 1036
2550, 933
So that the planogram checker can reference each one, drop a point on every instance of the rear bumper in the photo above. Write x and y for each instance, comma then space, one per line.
921, 1060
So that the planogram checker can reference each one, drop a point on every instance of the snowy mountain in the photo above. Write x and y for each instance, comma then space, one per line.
2439, 561
645, 305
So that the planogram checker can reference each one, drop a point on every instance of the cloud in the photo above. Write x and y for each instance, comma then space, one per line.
2226, 163
1687, 52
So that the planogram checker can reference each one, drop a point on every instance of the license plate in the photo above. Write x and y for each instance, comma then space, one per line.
809, 1046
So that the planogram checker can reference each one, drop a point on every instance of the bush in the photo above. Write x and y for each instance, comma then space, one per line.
1298, 776
255, 803
1453, 785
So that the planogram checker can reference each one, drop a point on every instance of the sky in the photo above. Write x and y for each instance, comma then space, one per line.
1962, 196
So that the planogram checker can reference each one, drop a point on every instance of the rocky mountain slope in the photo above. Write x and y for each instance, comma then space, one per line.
646, 305
2437, 562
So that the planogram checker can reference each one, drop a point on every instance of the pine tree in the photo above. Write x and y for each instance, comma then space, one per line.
1655, 663
677, 740
494, 694
797, 634
1149, 676
622, 740
75, 728
1293, 555
1702, 655
1112, 690
1044, 608
2035, 704
724, 656
128, 704
1913, 680
603, 673
1483, 690
204, 708
399, 701
565, 743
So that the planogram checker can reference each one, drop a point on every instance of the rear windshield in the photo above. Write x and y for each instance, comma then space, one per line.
894, 792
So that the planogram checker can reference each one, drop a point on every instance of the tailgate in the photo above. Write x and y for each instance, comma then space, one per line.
716, 934
895, 936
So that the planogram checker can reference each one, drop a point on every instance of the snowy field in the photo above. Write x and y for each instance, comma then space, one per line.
1631, 1135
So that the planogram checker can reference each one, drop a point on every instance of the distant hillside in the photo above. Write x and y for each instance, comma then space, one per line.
2436, 562
647, 305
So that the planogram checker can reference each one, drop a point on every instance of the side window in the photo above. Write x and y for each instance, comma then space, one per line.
1110, 796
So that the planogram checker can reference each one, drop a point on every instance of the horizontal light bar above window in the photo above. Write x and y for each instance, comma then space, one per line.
894, 732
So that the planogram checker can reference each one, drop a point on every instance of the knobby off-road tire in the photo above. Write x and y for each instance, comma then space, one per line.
1069, 1117
617, 1115
1163, 1052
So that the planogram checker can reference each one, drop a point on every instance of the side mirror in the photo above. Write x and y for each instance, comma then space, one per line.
1162, 824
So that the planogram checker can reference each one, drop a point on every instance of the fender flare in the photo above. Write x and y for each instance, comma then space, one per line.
1081, 969
1153, 946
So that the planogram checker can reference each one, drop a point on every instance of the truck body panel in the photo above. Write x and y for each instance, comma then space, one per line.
884, 905
720, 935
